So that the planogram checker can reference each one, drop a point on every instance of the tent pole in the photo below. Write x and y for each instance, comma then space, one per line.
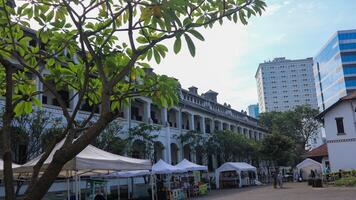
76, 184
128, 191
209, 180
118, 188
240, 179
80, 194
152, 194
68, 193
132, 188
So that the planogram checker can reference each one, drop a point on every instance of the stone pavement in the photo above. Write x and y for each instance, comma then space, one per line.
291, 191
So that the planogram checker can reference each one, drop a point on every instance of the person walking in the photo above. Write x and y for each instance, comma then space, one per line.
280, 179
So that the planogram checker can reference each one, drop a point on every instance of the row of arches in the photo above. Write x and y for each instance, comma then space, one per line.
139, 150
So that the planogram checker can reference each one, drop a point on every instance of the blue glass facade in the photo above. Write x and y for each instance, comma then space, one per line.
254, 111
335, 68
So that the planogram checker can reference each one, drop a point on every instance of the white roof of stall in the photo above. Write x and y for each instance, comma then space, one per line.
162, 167
309, 163
235, 166
129, 174
2, 165
190, 166
90, 160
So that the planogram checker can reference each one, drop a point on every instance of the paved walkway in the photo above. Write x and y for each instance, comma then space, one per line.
292, 191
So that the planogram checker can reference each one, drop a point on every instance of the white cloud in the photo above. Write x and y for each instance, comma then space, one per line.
215, 64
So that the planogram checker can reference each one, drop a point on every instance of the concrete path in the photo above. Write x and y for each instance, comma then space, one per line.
291, 191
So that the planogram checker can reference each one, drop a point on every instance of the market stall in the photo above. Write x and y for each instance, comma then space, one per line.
90, 161
168, 184
130, 176
235, 174
306, 166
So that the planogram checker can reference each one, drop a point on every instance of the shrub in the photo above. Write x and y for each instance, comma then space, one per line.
346, 181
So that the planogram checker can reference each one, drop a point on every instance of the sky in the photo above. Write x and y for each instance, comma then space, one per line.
227, 60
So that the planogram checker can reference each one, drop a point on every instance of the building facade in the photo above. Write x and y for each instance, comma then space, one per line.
254, 111
283, 84
339, 121
199, 113
335, 68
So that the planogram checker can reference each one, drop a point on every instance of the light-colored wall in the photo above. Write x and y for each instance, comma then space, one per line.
342, 148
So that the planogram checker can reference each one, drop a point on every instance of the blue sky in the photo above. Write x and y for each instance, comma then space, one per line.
227, 60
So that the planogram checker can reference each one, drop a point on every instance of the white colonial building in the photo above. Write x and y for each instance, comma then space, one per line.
201, 113
339, 122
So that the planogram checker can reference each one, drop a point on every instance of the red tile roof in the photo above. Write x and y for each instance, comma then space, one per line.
321, 150
350, 96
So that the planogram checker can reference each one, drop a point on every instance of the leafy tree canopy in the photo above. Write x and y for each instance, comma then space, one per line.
98, 50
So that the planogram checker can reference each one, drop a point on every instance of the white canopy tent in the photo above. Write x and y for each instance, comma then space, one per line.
233, 166
307, 165
89, 161
162, 167
190, 166
2, 167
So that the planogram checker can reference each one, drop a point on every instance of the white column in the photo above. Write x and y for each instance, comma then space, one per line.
168, 158
212, 127
191, 121
179, 119
147, 112
164, 117
127, 113
39, 87
220, 126
202, 124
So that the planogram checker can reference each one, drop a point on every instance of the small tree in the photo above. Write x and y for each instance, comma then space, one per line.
278, 149
146, 134
307, 125
111, 140
231, 146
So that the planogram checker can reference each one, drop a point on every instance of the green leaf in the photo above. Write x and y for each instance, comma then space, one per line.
157, 56
190, 44
177, 45
196, 34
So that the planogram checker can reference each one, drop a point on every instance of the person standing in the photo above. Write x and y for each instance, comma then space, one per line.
274, 176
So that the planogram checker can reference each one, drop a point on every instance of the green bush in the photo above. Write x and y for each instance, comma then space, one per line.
346, 181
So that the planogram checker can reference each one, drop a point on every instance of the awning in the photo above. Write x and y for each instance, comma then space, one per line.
190, 166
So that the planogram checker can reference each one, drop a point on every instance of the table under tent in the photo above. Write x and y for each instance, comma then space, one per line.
195, 186
306, 166
235, 174
90, 161
141, 189
167, 185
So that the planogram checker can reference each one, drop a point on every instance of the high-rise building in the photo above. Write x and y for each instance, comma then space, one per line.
283, 84
335, 68
254, 111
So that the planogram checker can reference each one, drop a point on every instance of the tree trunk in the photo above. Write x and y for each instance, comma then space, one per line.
62, 156
6, 136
